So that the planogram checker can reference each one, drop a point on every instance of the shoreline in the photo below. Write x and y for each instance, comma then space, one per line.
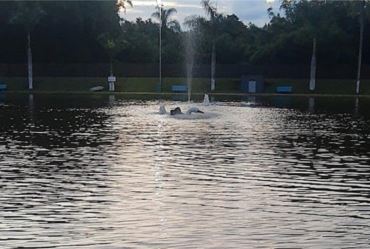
185, 94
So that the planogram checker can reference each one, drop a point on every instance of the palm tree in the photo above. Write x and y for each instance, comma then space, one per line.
164, 16
211, 11
123, 4
362, 14
113, 44
28, 15
113, 41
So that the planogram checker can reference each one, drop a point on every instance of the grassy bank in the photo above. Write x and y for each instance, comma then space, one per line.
199, 85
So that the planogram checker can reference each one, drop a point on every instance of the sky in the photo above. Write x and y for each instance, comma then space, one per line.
254, 11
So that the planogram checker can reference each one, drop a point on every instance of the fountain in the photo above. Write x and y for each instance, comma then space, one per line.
162, 110
189, 60
206, 100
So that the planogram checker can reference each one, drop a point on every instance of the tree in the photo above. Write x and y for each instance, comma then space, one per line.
28, 15
124, 4
69, 32
165, 18
113, 44
112, 41
141, 41
211, 11
318, 21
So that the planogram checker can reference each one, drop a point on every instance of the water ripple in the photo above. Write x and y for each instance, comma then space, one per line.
118, 175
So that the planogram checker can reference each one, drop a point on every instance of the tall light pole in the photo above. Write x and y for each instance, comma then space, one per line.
160, 6
313, 66
358, 79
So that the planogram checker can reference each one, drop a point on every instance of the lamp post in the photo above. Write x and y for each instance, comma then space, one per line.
362, 14
160, 6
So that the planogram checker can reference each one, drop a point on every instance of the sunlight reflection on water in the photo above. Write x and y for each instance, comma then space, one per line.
121, 176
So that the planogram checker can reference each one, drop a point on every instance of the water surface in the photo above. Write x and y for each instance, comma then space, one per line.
108, 172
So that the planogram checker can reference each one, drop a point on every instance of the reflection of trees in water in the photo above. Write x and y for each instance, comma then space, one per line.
327, 153
58, 123
311, 104
320, 105
54, 159
55, 128
2, 99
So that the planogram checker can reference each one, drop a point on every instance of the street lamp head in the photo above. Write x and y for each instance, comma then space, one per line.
159, 2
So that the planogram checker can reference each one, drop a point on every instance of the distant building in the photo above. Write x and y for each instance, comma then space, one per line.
252, 84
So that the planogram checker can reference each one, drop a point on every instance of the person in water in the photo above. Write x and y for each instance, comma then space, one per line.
176, 111
194, 110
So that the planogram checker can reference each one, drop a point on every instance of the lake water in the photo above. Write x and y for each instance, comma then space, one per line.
109, 172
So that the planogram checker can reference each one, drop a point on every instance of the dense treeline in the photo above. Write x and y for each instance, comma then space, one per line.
77, 32
66, 32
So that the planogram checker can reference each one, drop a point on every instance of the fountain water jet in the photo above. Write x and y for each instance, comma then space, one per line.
206, 100
189, 60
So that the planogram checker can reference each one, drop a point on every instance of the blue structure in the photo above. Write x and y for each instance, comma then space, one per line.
284, 89
179, 88
3, 87
252, 84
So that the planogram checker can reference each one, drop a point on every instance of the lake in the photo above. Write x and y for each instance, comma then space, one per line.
79, 171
